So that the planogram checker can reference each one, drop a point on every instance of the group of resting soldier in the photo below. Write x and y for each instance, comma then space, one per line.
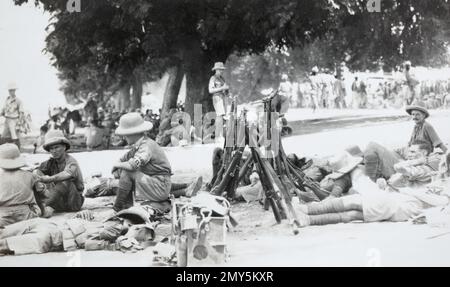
29, 197
380, 184
375, 185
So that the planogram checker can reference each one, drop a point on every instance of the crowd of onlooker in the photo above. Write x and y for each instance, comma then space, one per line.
325, 91
321, 90
100, 122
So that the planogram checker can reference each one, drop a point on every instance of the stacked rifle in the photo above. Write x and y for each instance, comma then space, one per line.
280, 178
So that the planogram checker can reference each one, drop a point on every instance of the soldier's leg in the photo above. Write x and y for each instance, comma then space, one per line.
379, 161
178, 189
17, 214
12, 123
73, 197
6, 134
334, 218
124, 197
54, 197
185, 189
335, 205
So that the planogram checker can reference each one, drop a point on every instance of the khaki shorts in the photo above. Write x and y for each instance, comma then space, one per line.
9, 130
219, 105
152, 188
389, 206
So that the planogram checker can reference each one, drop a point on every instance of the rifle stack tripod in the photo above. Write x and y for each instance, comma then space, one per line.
279, 177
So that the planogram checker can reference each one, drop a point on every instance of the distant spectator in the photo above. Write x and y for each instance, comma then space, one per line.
55, 122
40, 139
163, 139
177, 133
94, 135
91, 107
148, 115
100, 116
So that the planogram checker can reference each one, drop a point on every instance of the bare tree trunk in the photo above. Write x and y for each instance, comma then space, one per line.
173, 86
198, 71
136, 96
123, 98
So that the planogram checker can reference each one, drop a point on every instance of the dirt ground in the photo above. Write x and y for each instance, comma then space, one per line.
258, 240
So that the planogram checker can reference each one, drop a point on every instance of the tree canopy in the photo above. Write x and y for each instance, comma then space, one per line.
112, 44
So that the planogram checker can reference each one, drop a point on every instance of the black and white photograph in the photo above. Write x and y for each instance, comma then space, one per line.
224, 133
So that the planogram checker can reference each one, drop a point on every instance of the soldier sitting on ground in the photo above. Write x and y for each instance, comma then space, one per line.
17, 186
61, 174
380, 161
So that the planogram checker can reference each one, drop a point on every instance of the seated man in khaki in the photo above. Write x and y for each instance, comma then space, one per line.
417, 170
17, 187
144, 170
62, 176
380, 161
177, 132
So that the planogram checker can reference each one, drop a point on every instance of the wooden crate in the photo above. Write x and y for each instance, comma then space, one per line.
215, 238
215, 243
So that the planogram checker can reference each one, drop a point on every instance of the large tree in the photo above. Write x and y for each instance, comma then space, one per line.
121, 43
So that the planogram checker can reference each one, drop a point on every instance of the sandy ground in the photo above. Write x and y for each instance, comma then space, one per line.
257, 240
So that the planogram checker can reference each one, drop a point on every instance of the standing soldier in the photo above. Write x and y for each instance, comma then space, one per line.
281, 103
285, 92
316, 87
359, 94
339, 87
412, 84
219, 90
12, 110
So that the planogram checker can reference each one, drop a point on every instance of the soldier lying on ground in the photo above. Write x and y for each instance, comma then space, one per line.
123, 231
376, 205
335, 184
415, 171
252, 192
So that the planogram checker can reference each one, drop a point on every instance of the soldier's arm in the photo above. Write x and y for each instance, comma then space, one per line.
20, 106
68, 173
434, 137
140, 158
213, 89
123, 165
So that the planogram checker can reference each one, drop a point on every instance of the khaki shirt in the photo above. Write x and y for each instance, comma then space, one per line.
217, 82
13, 107
148, 157
69, 165
425, 132
16, 187
418, 175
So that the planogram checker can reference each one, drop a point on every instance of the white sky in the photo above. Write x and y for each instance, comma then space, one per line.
22, 38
